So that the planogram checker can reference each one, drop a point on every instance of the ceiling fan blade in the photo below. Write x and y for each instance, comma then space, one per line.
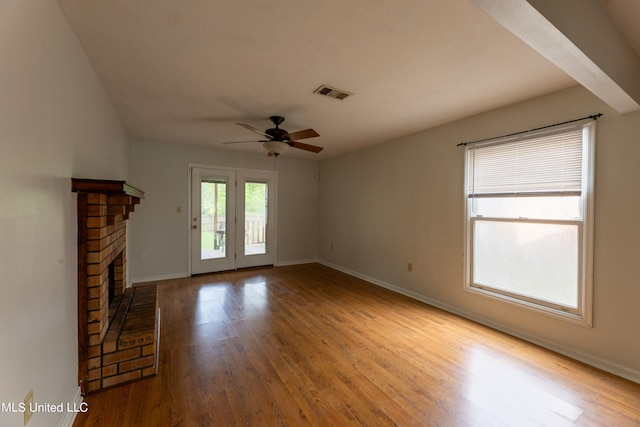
307, 147
241, 142
252, 129
302, 134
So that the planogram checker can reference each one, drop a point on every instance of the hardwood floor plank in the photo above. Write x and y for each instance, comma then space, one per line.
308, 345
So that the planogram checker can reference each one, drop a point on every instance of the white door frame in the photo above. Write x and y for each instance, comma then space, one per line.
198, 264
240, 176
268, 258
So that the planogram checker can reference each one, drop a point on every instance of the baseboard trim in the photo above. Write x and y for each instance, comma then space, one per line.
159, 277
144, 279
295, 262
75, 404
596, 362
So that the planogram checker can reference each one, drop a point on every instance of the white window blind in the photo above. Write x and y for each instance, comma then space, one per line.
548, 165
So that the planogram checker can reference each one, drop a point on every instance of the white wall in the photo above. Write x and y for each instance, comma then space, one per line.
56, 122
162, 233
402, 202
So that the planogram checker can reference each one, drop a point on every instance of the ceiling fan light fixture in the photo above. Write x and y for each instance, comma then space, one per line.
279, 140
276, 147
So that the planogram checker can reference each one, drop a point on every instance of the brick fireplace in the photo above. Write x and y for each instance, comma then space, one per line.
118, 327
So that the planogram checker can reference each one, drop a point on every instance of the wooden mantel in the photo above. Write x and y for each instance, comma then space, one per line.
121, 196
105, 186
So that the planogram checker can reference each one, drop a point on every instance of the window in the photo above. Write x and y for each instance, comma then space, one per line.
529, 222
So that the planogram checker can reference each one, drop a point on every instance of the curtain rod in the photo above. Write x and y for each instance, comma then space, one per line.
593, 116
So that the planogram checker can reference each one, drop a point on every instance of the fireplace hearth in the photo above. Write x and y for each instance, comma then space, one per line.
117, 326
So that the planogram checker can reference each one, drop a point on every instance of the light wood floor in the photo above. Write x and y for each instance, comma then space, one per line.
307, 345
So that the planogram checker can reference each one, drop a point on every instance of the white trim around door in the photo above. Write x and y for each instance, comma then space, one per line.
232, 216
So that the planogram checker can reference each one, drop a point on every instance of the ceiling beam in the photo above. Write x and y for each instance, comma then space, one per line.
580, 38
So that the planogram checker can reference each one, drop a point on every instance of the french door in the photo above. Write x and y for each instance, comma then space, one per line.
232, 219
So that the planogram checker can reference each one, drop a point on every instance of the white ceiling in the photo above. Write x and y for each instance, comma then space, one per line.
186, 71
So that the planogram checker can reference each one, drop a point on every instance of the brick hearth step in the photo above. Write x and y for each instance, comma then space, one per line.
130, 347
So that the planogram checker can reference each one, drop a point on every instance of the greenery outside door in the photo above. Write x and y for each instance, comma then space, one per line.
232, 219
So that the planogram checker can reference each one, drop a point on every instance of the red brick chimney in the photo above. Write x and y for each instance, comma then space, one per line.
117, 327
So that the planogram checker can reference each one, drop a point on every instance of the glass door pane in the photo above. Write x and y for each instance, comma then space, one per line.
255, 218
212, 220
213, 215
232, 219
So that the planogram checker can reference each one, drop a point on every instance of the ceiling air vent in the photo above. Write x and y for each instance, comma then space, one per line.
332, 92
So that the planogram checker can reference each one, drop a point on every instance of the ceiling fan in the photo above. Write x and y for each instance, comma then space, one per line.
277, 140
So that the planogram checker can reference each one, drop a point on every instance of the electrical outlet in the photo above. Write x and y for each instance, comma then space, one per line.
143, 255
28, 406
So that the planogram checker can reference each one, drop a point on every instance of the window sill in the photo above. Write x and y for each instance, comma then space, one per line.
577, 319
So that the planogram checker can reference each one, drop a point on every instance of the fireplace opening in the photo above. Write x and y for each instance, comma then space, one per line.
112, 282
116, 284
